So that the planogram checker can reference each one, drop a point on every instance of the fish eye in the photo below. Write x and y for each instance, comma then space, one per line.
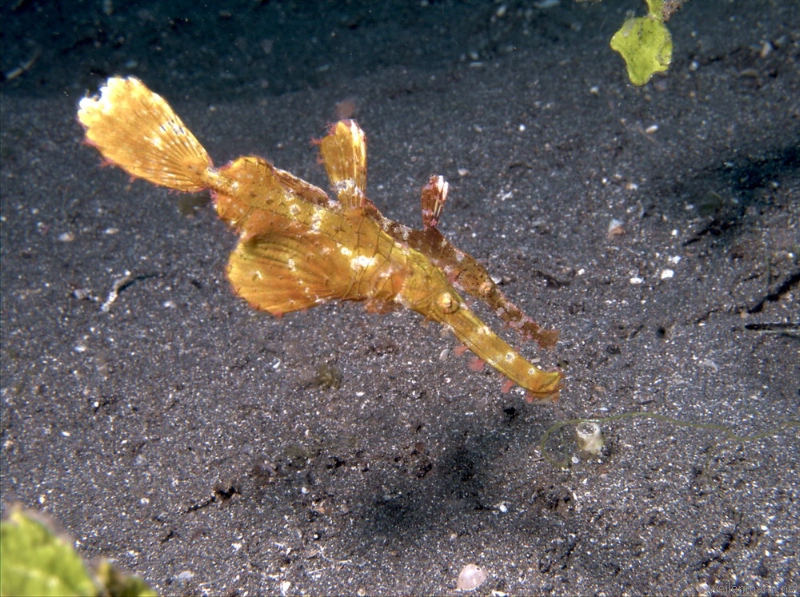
447, 303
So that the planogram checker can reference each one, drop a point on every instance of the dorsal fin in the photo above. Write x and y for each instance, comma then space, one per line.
344, 153
434, 194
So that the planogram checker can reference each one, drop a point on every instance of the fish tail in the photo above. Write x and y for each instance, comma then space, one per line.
137, 130
489, 347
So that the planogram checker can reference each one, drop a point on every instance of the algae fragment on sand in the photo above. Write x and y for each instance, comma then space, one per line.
37, 562
645, 43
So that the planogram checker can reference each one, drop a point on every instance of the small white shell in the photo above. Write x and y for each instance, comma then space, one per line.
470, 578
590, 437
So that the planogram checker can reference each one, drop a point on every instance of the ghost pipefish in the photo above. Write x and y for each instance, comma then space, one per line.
298, 247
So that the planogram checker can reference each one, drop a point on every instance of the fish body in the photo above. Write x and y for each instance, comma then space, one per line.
298, 247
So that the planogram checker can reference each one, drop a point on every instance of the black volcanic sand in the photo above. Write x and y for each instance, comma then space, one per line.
215, 450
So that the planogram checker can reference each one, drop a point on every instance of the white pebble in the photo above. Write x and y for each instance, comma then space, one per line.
615, 227
185, 576
470, 578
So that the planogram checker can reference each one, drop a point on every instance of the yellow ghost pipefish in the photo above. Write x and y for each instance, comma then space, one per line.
298, 247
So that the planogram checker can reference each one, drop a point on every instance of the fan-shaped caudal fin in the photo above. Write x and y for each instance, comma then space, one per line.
434, 194
480, 339
137, 130
344, 153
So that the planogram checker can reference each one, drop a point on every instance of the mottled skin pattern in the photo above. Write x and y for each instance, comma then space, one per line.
298, 247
